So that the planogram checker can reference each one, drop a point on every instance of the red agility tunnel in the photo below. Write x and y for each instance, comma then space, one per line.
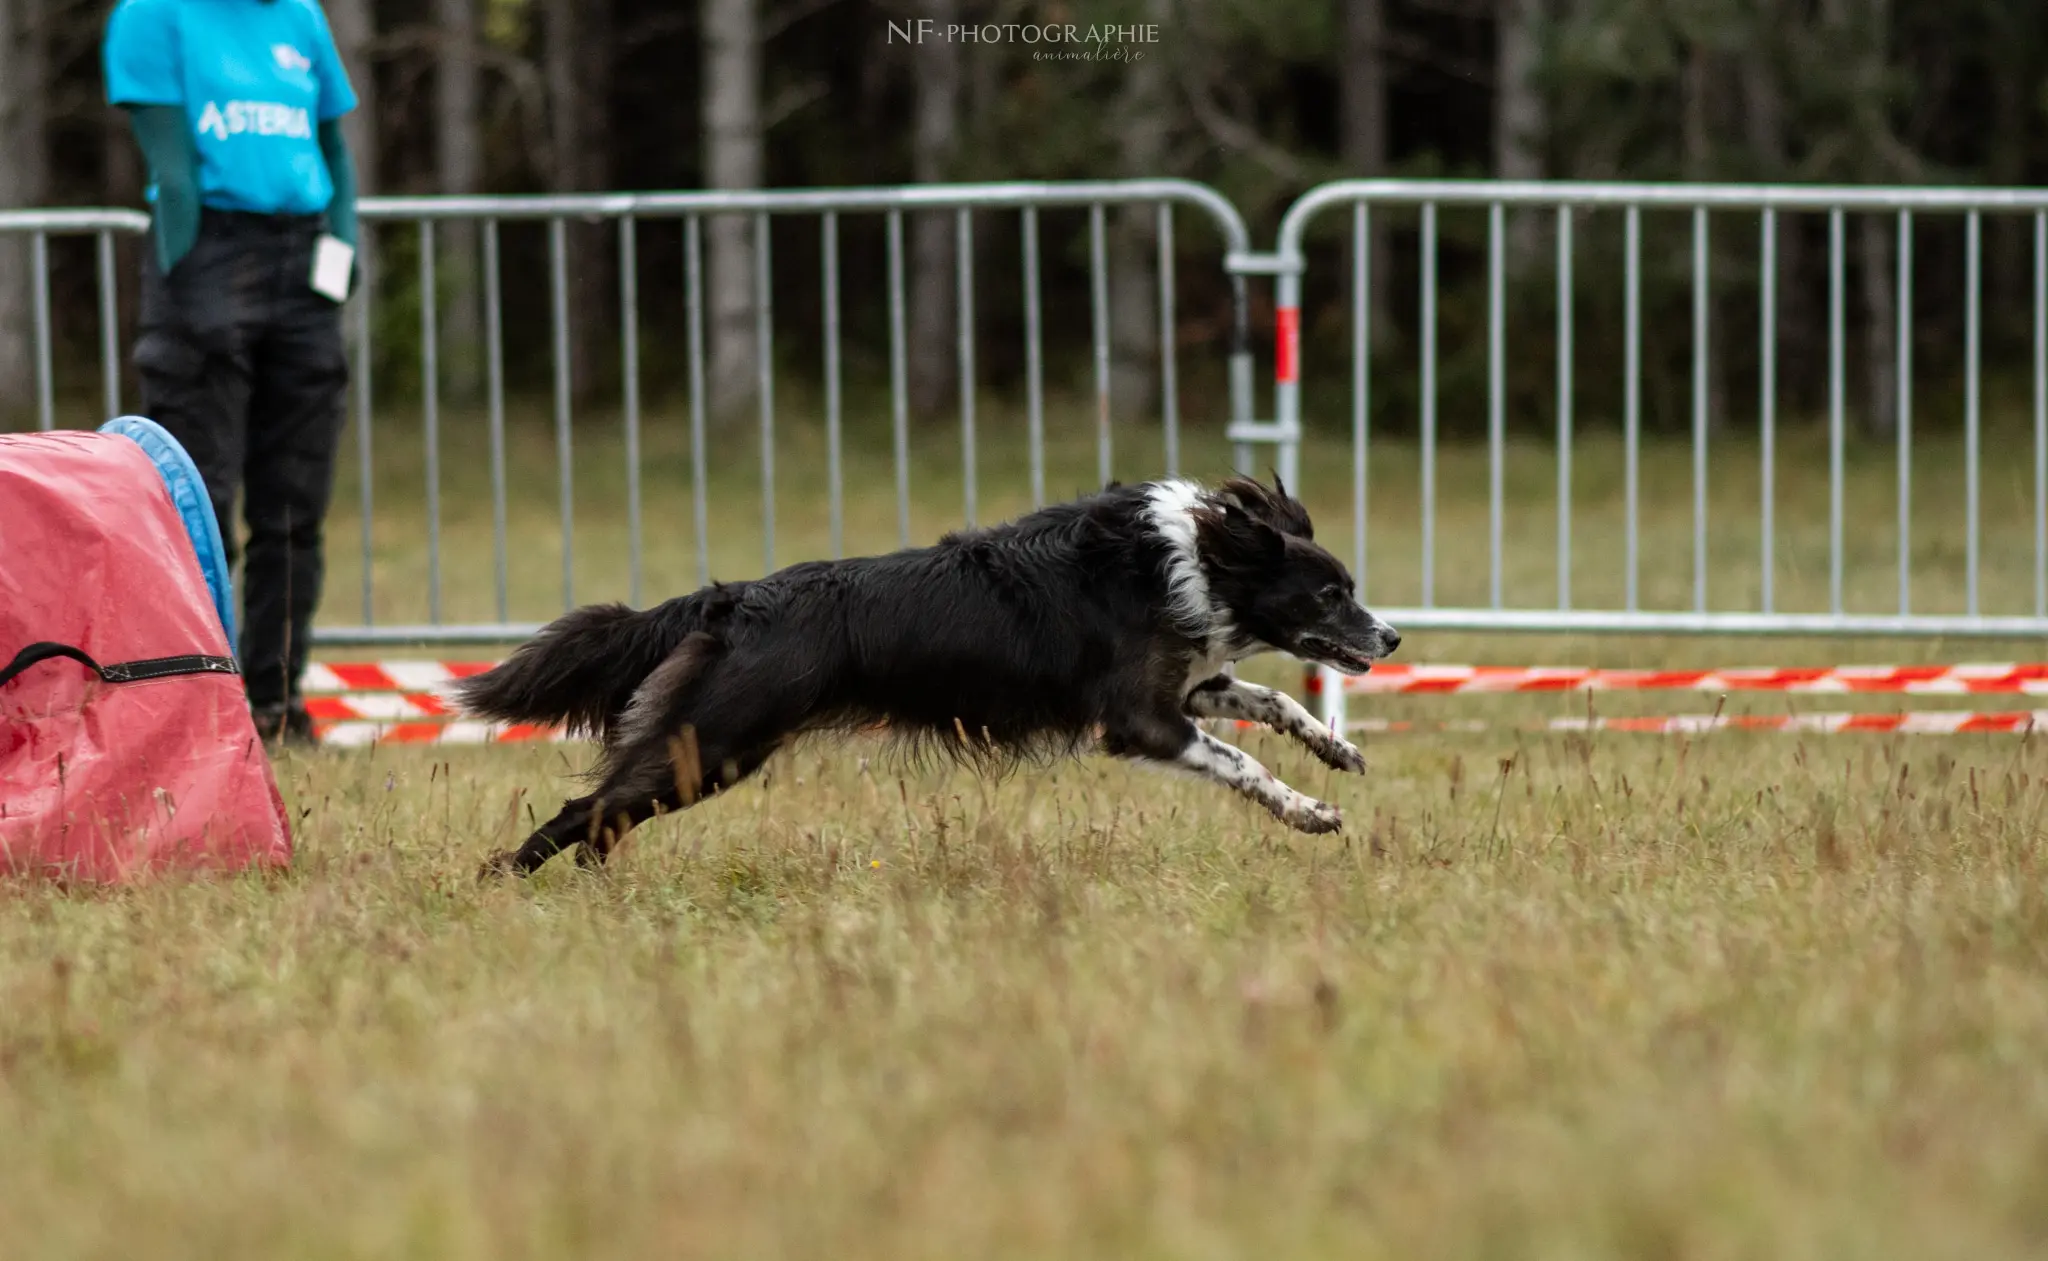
126, 746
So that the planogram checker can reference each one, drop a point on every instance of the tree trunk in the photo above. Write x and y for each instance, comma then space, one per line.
2015, 90
24, 181
1363, 140
459, 146
936, 66
1767, 139
578, 65
1880, 328
733, 158
1698, 147
1880, 339
354, 25
1142, 120
121, 183
1521, 118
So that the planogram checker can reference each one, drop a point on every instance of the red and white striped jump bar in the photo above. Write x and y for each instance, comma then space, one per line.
357, 734
421, 679
329, 677
380, 707
360, 734
1921, 723
1957, 680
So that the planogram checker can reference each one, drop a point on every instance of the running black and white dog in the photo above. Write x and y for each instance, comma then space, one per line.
1106, 621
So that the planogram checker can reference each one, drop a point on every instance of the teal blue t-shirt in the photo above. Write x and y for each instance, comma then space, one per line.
256, 78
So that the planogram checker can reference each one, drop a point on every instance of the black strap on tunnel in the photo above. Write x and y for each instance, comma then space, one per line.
120, 672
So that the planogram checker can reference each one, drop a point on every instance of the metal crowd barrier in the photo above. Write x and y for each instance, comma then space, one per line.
102, 225
1702, 201
424, 214
1279, 436
826, 205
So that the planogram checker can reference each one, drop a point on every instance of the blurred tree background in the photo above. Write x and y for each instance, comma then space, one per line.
1261, 98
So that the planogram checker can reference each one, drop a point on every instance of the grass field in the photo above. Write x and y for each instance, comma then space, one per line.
1546, 997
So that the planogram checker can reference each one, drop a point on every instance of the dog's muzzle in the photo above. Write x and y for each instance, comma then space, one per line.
1386, 638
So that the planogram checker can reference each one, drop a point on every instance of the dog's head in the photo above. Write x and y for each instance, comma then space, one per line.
1280, 586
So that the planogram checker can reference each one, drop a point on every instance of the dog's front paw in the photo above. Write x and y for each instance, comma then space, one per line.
1340, 754
1305, 814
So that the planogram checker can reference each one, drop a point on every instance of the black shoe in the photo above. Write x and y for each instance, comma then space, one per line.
287, 725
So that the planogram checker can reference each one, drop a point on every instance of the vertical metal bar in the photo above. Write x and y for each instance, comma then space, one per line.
899, 393
1564, 407
834, 472
693, 301
494, 354
764, 367
1836, 406
1905, 405
1496, 391
1361, 379
558, 295
46, 385
1287, 388
1632, 391
1240, 370
1767, 392
1972, 409
1034, 359
110, 332
629, 368
1428, 404
1701, 309
1169, 379
366, 471
430, 412
1098, 286
2040, 414
963, 273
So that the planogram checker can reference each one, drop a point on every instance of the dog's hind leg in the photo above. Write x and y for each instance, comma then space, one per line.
733, 708
569, 826
1225, 697
630, 798
1177, 743
598, 822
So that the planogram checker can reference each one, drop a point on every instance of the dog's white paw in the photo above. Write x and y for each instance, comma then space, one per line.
1306, 814
1340, 754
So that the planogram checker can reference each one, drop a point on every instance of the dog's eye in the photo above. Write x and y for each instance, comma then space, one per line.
1335, 594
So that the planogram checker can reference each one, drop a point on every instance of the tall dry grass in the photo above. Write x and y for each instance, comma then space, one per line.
1562, 997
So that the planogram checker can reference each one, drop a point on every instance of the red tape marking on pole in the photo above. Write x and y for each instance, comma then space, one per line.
1286, 344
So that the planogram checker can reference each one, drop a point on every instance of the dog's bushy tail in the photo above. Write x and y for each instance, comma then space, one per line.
580, 671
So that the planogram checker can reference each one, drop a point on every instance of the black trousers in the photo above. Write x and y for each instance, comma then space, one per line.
243, 363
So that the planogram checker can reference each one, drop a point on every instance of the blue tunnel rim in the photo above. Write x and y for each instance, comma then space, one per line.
195, 508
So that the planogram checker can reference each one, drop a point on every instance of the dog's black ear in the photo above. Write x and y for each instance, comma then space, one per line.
1280, 486
1250, 533
1278, 510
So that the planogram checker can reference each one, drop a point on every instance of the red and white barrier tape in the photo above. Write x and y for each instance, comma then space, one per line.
402, 702
1957, 680
355, 734
1920, 723
359, 733
328, 677
422, 678
380, 707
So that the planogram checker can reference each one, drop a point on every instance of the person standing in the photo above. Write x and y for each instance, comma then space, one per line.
236, 107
